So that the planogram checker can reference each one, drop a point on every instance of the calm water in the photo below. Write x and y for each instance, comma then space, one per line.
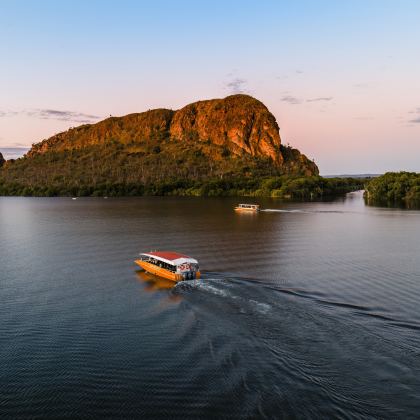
310, 310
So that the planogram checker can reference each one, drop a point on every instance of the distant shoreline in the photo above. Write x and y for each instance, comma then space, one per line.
282, 187
352, 176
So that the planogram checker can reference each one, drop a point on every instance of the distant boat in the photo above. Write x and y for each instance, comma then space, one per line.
253, 208
170, 265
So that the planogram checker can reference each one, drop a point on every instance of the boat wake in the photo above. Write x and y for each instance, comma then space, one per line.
220, 288
302, 211
282, 211
304, 338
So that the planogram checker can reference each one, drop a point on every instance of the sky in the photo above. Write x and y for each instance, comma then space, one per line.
341, 77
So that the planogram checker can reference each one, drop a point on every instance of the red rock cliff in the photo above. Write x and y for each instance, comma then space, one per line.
241, 123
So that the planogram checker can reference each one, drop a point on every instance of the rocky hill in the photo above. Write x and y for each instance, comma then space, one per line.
239, 123
235, 138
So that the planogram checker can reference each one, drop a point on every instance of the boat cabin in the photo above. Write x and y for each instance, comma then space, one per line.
248, 207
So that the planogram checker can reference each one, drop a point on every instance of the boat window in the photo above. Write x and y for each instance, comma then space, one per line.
159, 263
249, 206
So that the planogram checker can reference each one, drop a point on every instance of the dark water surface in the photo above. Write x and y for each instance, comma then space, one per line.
312, 310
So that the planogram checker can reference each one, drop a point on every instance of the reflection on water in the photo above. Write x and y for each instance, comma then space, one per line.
305, 310
153, 282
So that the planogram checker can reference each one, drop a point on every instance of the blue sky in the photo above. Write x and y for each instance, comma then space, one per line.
340, 77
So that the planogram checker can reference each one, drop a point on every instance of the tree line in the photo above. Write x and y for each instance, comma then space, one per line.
394, 189
166, 168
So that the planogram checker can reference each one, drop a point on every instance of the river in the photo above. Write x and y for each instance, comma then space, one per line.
305, 310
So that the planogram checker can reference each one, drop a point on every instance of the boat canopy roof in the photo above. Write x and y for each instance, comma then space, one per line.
170, 257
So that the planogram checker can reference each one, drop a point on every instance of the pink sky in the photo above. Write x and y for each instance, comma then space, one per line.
341, 79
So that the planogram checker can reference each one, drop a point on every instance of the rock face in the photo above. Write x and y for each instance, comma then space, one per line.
239, 124
1, 160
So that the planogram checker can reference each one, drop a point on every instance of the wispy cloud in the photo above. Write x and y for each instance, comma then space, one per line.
415, 111
321, 99
18, 145
7, 113
416, 119
237, 85
53, 114
292, 100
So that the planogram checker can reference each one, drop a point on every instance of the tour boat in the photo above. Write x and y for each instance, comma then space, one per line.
248, 207
169, 265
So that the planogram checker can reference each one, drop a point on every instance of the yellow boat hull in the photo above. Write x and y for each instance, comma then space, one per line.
245, 210
162, 272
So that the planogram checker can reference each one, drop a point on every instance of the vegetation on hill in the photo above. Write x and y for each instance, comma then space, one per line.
395, 189
162, 168
227, 146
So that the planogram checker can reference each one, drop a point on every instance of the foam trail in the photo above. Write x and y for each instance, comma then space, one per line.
303, 211
283, 211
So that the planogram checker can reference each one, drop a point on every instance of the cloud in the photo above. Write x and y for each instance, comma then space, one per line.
292, 100
237, 85
416, 111
18, 145
53, 114
415, 120
320, 99
7, 113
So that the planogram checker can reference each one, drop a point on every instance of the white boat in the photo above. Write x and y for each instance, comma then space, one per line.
248, 207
